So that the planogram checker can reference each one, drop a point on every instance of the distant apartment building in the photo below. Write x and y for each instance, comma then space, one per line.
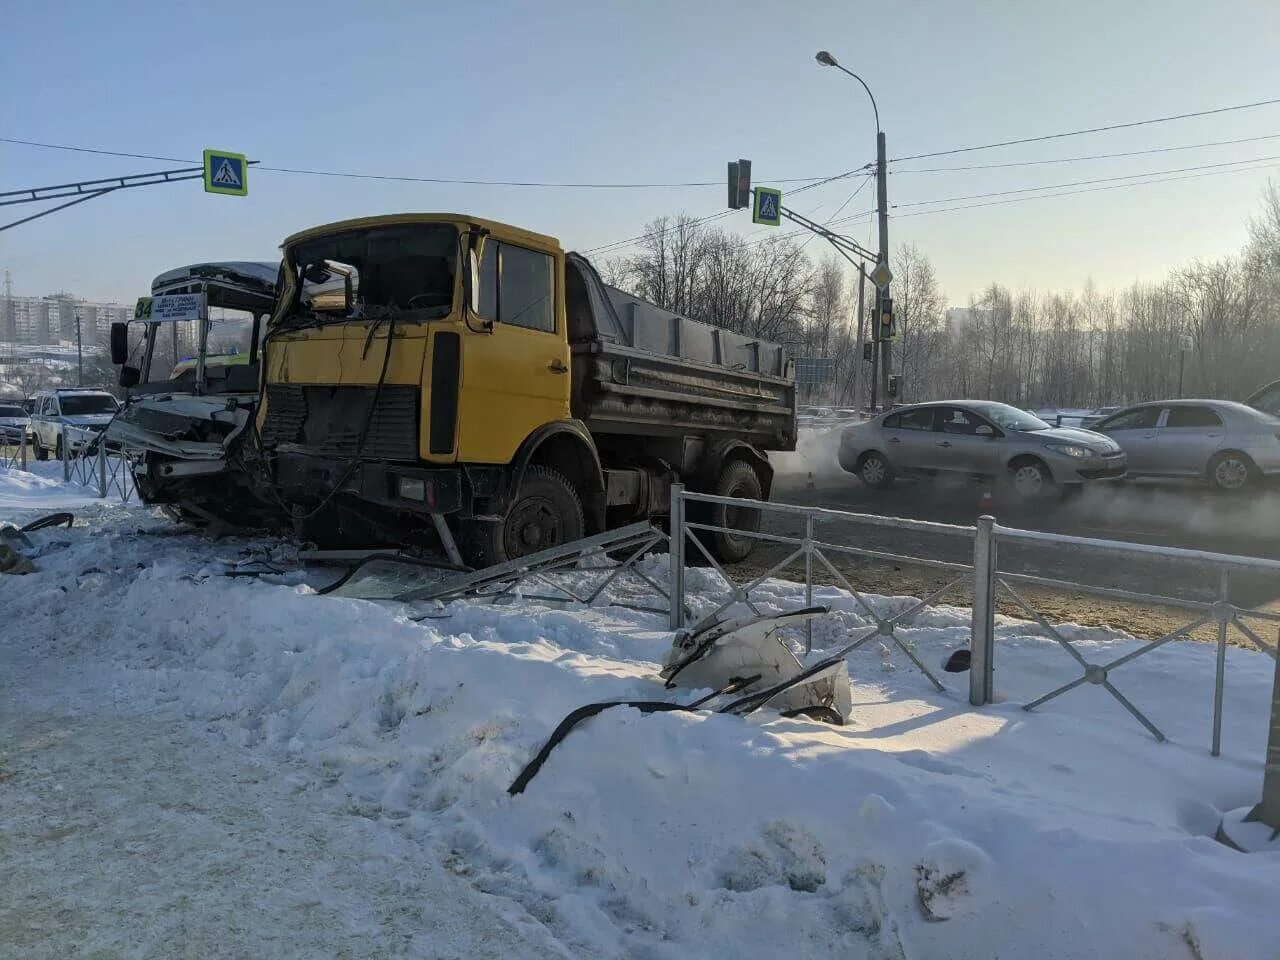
52, 319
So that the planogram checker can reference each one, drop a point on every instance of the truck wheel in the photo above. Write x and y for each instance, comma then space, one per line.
545, 513
40, 452
737, 479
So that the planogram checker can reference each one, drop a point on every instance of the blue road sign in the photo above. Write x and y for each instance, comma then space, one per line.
226, 173
768, 208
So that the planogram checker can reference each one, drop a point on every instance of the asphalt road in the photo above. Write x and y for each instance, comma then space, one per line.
1181, 515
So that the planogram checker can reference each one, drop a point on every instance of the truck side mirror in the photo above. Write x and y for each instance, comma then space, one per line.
985, 431
473, 279
119, 342
129, 377
330, 287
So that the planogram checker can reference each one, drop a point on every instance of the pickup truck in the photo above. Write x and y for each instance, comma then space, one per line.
449, 376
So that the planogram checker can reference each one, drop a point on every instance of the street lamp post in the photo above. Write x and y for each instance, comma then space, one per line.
882, 209
75, 307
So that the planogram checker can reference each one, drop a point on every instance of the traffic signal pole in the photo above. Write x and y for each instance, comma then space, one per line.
882, 203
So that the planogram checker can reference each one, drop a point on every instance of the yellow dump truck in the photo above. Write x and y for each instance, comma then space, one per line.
441, 375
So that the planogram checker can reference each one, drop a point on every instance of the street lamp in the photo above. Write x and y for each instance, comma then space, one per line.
827, 60
881, 272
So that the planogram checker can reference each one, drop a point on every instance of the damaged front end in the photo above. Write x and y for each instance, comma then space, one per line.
186, 432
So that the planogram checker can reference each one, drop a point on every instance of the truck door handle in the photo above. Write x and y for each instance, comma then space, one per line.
894, 440
557, 366
944, 443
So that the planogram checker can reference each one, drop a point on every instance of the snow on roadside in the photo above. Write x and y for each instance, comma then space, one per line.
40, 487
923, 829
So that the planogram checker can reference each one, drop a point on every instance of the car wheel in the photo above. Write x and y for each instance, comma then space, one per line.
40, 452
1231, 471
1030, 479
874, 470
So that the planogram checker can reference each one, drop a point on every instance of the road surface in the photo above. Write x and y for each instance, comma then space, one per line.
1181, 515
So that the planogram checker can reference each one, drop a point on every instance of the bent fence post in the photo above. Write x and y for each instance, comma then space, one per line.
982, 644
675, 556
102, 467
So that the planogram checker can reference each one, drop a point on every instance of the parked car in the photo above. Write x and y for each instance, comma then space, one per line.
1095, 417
978, 438
1228, 444
13, 423
87, 409
1266, 399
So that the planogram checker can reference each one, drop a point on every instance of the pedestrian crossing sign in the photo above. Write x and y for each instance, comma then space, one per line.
768, 207
226, 172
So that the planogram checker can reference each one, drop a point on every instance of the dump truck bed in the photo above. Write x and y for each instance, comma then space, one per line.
642, 370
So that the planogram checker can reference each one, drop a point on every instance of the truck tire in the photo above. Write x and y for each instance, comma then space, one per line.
38, 448
737, 479
545, 512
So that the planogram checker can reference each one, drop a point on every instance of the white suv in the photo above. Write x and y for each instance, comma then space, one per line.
86, 409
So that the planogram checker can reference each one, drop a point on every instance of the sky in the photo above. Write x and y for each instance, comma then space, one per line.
654, 92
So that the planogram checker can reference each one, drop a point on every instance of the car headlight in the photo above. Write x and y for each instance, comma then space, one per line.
1071, 450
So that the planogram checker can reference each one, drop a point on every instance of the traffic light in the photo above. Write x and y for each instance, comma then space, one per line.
868, 349
893, 385
739, 184
884, 324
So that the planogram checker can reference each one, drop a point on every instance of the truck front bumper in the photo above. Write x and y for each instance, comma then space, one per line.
304, 478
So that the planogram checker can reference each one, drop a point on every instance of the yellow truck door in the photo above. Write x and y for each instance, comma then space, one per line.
515, 378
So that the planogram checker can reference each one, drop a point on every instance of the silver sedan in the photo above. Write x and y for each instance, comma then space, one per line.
1230, 445
978, 438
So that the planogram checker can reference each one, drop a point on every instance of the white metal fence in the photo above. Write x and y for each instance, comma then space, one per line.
984, 580
13, 454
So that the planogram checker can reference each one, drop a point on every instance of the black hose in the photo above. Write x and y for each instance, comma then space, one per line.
565, 726
52, 520
394, 558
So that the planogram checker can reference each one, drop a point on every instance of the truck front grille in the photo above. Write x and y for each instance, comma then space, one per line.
329, 421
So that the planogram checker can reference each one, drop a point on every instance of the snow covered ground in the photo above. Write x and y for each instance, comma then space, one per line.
202, 765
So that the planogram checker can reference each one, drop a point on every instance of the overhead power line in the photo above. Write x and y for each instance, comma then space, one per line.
1081, 183
1113, 186
1092, 156
1077, 133
622, 244
553, 184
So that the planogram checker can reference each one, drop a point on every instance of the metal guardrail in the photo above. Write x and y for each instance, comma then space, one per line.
987, 581
87, 460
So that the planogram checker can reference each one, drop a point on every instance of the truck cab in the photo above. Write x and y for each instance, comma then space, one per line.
441, 375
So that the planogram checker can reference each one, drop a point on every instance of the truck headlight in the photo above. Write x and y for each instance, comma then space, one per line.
411, 488
1071, 450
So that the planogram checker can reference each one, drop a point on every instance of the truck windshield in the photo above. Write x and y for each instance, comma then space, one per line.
79, 404
400, 267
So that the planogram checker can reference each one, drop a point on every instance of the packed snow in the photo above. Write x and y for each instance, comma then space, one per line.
202, 764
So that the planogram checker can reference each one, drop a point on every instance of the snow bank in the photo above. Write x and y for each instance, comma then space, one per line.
925, 829
40, 487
